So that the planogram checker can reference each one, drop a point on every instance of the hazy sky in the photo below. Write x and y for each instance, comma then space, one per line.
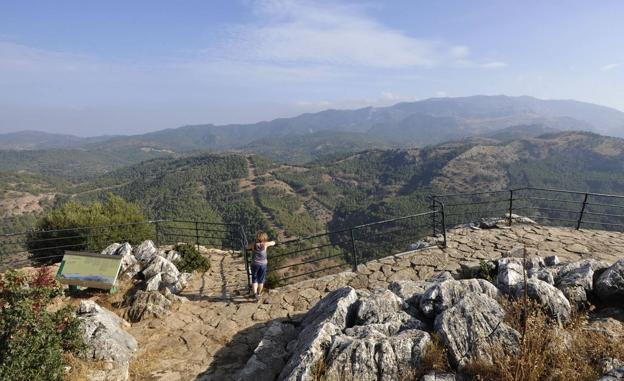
111, 67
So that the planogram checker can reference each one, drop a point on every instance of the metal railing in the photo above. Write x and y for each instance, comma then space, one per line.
48, 246
327, 252
546, 206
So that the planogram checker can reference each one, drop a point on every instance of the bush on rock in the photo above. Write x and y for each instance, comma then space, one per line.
190, 259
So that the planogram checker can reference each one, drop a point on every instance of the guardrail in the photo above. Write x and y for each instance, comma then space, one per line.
323, 253
48, 246
547, 206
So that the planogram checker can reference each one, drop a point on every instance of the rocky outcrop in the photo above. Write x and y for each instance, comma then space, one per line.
576, 280
444, 295
106, 341
549, 297
324, 321
146, 304
616, 374
610, 285
470, 328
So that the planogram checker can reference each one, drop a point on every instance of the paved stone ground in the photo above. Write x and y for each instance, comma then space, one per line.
212, 336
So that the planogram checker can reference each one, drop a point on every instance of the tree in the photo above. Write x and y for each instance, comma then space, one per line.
88, 227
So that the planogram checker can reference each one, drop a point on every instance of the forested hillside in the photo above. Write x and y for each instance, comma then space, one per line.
349, 189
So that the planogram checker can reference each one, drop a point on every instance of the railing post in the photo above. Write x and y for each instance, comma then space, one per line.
244, 243
197, 234
443, 224
157, 228
433, 215
580, 220
510, 206
354, 251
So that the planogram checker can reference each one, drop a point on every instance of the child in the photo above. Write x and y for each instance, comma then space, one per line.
259, 262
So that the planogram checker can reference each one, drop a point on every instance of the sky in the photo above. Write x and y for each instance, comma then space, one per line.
126, 67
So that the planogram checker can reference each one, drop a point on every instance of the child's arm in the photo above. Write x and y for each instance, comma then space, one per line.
270, 243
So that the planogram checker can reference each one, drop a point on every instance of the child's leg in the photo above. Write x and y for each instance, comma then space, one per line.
261, 277
254, 286
260, 286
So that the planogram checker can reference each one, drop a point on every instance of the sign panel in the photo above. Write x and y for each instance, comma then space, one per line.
89, 269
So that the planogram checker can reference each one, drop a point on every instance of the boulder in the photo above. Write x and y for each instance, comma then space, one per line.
106, 341
576, 281
471, 327
160, 265
172, 255
510, 274
408, 290
393, 324
551, 298
270, 355
551, 260
111, 249
375, 356
417, 245
433, 376
616, 374
489, 223
153, 284
148, 304
610, 285
377, 307
444, 295
328, 318
145, 252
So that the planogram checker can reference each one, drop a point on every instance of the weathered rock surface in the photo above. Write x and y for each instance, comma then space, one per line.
472, 326
375, 357
324, 321
610, 285
145, 252
146, 304
551, 298
438, 377
444, 295
616, 374
270, 355
576, 280
106, 341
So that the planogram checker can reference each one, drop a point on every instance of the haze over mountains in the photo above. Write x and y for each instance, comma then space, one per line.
412, 124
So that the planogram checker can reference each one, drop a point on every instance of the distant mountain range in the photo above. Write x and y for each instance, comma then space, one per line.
313, 135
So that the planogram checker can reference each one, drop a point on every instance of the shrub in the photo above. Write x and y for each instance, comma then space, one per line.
32, 339
87, 227
190, 259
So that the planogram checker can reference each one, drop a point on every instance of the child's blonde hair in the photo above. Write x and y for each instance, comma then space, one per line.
262, 237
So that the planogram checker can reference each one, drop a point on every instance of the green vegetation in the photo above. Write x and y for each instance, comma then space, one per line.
191, 260
33, 340
288, 211
113, 220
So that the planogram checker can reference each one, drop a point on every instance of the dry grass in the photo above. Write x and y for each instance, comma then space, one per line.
434, 359
143, 364
547, 352
80, 368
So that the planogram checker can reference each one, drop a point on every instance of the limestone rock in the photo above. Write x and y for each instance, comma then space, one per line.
270, 355
472, 326
145, 252
410, 291
442, 296
153, 284
576, 281
146, 304
510, 274
610, 285
375, 357
616, 374
551, 298
326, 319
551, 260
377, 307
160, 265
438, 377
111, 249
106, 341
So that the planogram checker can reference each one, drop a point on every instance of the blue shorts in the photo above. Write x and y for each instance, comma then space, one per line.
258, 273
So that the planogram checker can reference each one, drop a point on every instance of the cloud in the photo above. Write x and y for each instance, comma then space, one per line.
328, 33
610, 66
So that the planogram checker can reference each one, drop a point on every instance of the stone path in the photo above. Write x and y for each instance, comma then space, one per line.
212, 336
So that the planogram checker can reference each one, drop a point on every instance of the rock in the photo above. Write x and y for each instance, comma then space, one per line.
551, 298
610, 285
130, 266
375, 357
111, 249
510, 274
147, 304
145, 252
551, 260
326, 319
616, 374
471, 327
270, 355
417, 245
153, 284
377, 307
489, 223
124, 249
442, 296
160, 265
410, 291
106, 341
438, 377
172, 255
516, 252
576, 281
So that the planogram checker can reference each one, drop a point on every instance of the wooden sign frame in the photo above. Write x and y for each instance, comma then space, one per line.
91, 280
